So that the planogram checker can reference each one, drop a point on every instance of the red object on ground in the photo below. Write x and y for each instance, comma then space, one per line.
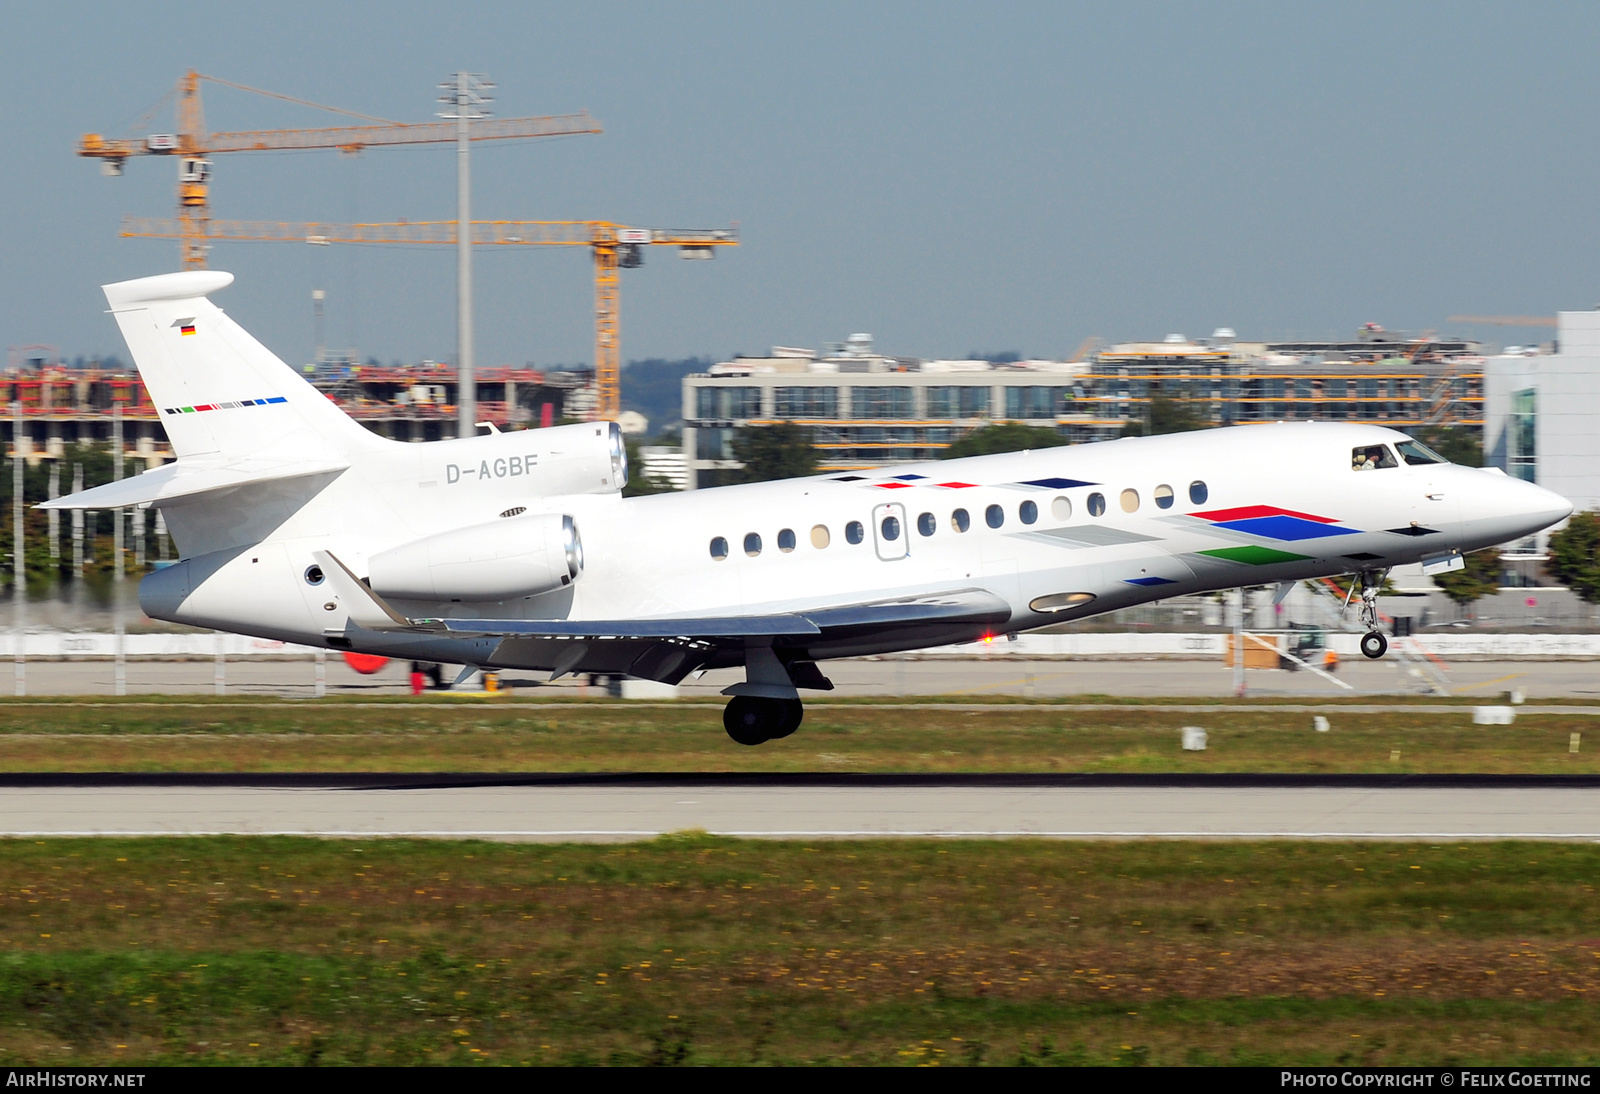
365, 663
416, 683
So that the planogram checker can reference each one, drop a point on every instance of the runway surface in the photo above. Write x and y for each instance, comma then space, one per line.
615, 810
977, 679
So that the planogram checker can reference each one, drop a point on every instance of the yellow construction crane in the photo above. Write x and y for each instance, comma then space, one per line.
195, 146
615, 247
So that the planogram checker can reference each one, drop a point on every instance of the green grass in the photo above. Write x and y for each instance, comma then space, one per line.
698, 950
276, 736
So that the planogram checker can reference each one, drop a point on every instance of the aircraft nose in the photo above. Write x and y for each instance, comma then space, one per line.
1531, 506
1496, 508
1546, 507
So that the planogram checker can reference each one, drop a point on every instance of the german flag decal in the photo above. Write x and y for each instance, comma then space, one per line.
187, 328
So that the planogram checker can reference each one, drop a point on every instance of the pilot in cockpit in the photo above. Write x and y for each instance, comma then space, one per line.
1368, 457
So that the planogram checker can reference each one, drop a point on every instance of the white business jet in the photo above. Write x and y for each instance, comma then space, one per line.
517, 550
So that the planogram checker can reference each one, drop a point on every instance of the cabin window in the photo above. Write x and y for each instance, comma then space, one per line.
1416, 453
854, 532
1163, 496
994, 516
1061, 509
926, 524
890, 529
1129, 501
1097, 505
960, 520
1198, 492
1028, 512
719, 548
819, 536
786, 540
1369, 457
752, 545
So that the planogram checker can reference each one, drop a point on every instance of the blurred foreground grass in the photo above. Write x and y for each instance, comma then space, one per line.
696, 950
487, 736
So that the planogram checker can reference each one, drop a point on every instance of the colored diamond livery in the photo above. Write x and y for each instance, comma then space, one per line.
1271, 522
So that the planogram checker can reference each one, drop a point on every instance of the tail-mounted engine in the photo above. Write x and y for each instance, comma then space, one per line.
505, 560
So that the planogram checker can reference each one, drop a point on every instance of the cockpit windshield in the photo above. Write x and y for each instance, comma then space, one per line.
1369, 457
1415, 453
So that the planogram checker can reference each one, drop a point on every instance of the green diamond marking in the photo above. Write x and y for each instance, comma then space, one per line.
1254, 555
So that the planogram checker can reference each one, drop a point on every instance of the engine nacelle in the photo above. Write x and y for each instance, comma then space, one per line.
585, 458
504, 560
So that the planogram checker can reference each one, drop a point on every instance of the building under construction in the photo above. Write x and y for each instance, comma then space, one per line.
865, 409
62, 406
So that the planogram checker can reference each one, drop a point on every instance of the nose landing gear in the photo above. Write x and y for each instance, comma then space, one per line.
751, 720
1374, 644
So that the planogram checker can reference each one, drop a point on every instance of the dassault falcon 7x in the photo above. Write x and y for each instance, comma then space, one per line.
517, 549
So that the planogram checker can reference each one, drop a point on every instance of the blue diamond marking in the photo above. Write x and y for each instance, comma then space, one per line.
1285, 528
1150, 581
908, 478
1058, 484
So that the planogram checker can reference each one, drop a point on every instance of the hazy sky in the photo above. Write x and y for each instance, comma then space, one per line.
947, 177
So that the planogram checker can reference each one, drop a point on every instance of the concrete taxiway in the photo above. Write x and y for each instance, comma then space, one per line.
807, 809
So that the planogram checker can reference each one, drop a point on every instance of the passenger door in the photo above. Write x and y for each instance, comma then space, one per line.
890, 534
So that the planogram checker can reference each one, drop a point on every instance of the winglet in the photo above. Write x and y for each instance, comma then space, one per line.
366, 608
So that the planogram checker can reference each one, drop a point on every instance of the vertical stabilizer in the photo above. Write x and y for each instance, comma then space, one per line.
221, 394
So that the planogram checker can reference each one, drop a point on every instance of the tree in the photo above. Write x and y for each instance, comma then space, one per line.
768, 452
1008, 437
1478, 578
638, 485
1166, 416
1455, 443
1575, 555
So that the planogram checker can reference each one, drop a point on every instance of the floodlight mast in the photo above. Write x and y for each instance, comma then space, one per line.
465, 100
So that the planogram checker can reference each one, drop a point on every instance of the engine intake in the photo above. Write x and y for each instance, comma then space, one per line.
504, 560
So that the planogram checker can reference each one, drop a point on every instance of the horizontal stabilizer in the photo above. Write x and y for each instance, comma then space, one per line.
181, 481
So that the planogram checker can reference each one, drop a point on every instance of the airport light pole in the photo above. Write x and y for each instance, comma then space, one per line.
20, 570
464, 100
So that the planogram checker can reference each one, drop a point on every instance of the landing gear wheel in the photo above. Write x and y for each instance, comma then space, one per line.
753, 721
794, 712
1374, 644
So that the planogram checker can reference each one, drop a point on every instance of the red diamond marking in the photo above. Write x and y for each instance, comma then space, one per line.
1246, 512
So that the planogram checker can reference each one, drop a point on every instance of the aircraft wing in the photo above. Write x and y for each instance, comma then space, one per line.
744, 626
180, 481
368, 609
961, 606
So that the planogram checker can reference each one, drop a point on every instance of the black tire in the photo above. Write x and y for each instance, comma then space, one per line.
1374, 645
793, 714
751, 721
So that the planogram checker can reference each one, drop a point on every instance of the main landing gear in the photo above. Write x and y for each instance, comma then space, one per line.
750, 720
1374, 644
